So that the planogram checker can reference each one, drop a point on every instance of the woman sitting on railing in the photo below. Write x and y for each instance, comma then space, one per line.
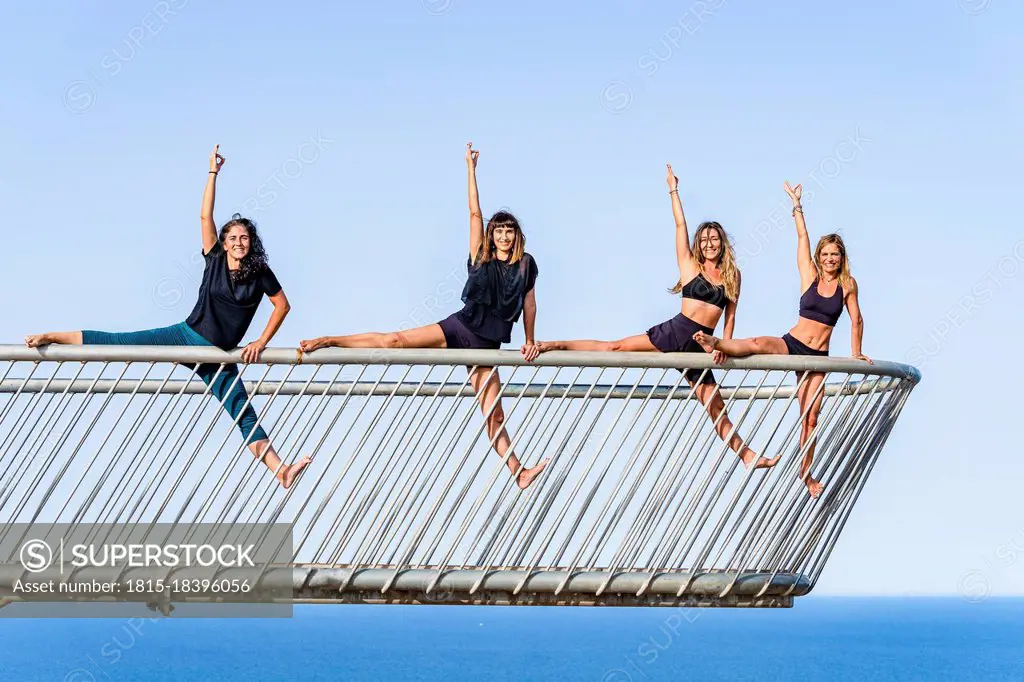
500, 287
827, 285
235, 279
709, 283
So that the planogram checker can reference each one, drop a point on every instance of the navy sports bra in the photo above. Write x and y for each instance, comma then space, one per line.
816, 307
700, 289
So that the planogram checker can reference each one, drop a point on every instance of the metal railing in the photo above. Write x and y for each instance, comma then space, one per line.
406, 500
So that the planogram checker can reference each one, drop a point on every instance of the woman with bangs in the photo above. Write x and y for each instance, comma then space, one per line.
499, 288
236, 277
827, 286
709, 283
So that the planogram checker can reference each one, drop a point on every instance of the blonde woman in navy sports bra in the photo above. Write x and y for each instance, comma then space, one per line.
712, 287
827, 286
499, 288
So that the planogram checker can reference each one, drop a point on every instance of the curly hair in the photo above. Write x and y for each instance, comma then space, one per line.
256, 260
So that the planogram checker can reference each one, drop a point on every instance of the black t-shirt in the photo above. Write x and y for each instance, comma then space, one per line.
226, 308
494, 295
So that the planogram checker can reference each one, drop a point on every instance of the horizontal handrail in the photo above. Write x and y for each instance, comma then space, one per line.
415, 389
446, 356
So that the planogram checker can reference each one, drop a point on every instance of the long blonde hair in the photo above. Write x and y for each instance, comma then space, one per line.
726, 261
845, 278
487, 249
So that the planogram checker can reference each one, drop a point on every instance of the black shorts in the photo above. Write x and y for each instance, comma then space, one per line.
676, 336
797, 347
458, 335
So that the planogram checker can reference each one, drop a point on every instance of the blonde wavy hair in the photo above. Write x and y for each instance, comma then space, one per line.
726, 260
488, 250
845, 278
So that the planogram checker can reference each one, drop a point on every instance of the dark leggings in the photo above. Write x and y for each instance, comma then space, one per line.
229, 392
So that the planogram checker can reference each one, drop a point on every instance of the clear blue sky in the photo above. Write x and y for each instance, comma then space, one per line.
903, 118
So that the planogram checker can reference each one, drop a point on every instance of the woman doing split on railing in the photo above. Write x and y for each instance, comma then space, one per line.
827, 285
709, 283
235, 279
499, 288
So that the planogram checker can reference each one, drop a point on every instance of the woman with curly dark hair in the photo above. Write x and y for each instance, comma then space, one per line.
235, 279
499, 288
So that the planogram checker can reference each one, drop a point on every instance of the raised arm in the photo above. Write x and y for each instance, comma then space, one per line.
476, 217
209, 196
856, 323
804, 261
683, 256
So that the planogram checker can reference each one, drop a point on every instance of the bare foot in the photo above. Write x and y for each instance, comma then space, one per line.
526, 476
36, 340
290, 472
706, 341
814, 487
762, 462
310, 345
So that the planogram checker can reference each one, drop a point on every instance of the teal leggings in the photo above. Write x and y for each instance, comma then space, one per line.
229, 392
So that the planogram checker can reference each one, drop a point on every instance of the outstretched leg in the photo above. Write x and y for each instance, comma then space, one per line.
808, 393
229, 391
740, 348
428, 336
706, 393
711, 398
70, 338
174, 335
636, 343
228, 388
496, 425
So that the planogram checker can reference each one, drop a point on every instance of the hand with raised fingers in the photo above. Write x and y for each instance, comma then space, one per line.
794, 193
673, 181
471, 155
216, 160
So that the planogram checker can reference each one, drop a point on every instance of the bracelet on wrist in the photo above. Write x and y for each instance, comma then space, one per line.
215, 172
673, 191
798, 209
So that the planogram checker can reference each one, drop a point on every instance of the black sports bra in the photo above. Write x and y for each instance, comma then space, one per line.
700, 289
814, 306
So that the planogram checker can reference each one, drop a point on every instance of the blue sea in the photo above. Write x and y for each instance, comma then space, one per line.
820, 638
